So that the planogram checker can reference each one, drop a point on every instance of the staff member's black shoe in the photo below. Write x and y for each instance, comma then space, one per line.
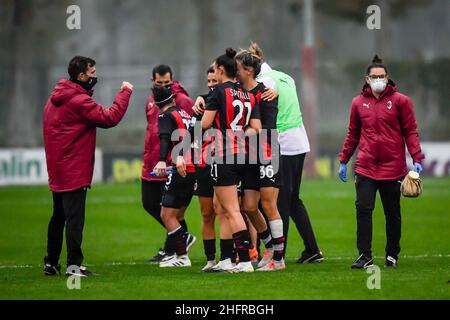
391, 262
51, 270
158, 257
363, 262
307, 257
190, 240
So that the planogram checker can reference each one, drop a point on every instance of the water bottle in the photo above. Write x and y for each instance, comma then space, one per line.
169, 171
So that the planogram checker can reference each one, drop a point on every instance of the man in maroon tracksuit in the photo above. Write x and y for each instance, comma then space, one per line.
381, 123
70, 119
152, 185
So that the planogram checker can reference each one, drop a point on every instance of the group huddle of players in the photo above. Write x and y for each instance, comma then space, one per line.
232, 168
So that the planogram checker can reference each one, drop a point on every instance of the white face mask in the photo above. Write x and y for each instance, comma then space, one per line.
378, 85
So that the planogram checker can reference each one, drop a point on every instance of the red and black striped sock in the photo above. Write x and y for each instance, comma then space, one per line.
210, 249
242, 243
278, 248
177, 240
226, 249
266, 238
276, 227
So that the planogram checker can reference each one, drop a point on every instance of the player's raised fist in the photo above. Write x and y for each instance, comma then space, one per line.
126, 84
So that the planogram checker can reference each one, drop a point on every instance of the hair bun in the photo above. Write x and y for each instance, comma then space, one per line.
230, 52
377, 59
256, 50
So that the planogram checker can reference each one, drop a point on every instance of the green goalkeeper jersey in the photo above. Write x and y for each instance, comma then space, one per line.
289, 113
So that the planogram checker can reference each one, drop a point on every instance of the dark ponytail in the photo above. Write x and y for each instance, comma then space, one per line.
377, 62
227, 62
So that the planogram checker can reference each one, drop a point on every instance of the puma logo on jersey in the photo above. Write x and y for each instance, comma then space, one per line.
366, 105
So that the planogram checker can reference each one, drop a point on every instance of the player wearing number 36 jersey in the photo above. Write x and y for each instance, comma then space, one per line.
266, 173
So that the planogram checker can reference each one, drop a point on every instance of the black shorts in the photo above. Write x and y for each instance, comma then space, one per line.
226, 174
268, 177
243, 176
178, 191
204, 182
240, 192
250, 179
256, 176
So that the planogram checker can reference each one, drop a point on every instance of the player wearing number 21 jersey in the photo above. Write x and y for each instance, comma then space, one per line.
234, 113
235, 107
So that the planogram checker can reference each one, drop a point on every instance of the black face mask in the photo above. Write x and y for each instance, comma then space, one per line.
88, 85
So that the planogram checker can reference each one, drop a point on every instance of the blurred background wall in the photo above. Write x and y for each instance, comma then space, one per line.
127, 38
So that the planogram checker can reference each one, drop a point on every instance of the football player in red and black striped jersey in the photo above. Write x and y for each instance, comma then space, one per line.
152, 185
266, 171
234, 113
204, 189
180, 183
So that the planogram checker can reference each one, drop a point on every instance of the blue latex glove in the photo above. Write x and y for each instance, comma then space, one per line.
418, 168
169, 170
343, 172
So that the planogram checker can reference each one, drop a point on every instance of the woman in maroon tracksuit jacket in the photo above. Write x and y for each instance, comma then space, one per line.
70, 119
381, 123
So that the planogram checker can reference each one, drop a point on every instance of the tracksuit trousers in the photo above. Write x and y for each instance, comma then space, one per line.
289, 203
366, 190
68, 212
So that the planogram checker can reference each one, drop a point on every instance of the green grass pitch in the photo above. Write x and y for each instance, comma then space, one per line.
119, 237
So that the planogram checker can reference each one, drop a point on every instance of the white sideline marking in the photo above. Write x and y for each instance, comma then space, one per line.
16, 266
131, 263
420, 256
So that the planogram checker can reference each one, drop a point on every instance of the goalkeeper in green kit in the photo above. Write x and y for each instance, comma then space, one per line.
294, 145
